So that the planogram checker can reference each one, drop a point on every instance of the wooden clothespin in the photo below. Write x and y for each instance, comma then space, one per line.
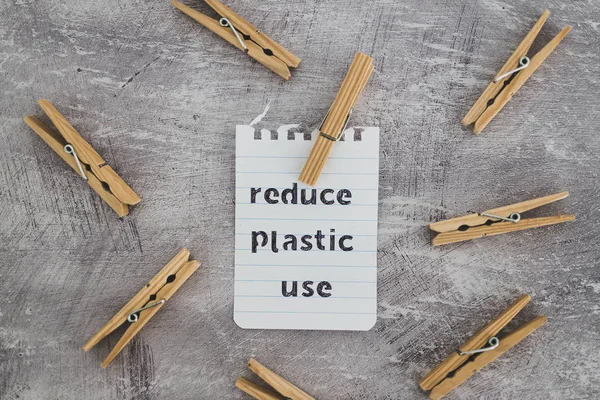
245, 36
283, 387
335, 121
471, 357
481, 113
82, 157
146, 303
496, 221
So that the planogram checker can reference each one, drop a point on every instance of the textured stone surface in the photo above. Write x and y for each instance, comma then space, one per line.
159, 97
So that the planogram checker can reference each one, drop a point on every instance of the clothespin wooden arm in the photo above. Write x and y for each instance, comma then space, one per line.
165, 294
282, 386
333, 125
478, 219
253, 50
506, 94
57, 144
454, 360
354, 83
255, 34
254, 390
89, 156
523, 47
498, 228
483, 359
494, 87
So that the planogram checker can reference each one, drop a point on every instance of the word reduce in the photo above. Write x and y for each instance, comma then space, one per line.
290, 196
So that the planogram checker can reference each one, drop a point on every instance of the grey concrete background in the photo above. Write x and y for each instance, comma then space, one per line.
159, 97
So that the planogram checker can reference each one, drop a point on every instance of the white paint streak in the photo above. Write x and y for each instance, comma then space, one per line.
595, 286
391, 311
401, 201
259, 117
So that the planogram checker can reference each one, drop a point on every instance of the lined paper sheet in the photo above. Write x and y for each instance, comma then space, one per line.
306, 266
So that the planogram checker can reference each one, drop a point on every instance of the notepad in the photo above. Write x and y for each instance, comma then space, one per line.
305, 257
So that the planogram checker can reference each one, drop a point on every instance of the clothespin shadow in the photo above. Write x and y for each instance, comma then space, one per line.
245, 36
496, 221
276, 382
334, 124
473, 356
511, 77
138, 311
82, 157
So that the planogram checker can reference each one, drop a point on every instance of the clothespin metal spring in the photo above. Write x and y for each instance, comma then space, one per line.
329, 137
513, 217
225, 22
493, 343
523, 63
133, 317
71, 150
